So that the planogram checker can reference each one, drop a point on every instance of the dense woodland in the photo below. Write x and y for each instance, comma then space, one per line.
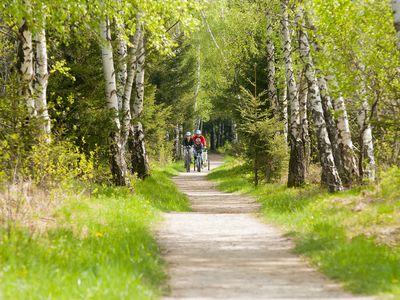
100, 90
95, 96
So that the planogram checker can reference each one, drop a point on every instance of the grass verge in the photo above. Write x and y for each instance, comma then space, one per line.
99, 247
352, 236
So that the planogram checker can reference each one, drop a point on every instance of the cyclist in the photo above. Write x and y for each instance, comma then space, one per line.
203, 141
188, 144
198, 149
188, 141
201, 137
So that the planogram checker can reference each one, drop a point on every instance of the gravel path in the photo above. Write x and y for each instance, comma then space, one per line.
222, 251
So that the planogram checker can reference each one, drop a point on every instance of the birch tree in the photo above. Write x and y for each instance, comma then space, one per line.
327, 107
26, 67
330, 176
271, 74
140, 164
304, 132
297, 166
118, 162
345, 143
127, 128
367, 158
42, 78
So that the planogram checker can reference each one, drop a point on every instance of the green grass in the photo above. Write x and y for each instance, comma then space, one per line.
101, 247
339, 236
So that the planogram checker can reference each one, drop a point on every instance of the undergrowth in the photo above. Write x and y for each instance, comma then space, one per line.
352, 236
99, 246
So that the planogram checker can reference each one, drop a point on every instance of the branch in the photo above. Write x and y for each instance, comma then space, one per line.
212, 35
151, 49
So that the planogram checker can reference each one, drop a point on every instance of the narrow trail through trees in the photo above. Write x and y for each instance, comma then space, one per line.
221, 250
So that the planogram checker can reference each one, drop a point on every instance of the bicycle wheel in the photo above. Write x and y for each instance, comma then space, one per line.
198, 164
187, 165
208, 164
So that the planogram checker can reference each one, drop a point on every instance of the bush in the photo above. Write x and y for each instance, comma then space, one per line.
390, 183
60, 162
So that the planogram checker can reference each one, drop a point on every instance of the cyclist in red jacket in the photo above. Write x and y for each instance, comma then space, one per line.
201, 137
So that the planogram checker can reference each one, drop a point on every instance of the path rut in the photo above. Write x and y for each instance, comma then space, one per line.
221, 250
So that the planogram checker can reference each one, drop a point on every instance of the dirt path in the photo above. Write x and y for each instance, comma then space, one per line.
222, 251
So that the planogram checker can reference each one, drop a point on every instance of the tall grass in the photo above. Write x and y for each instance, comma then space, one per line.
350, 236
100, 247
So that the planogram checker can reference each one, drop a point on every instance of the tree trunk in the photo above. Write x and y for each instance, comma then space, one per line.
26, 67
220, 135
346, 147
284, 112
367, 165
177, 143
198, 83
127, 128
396, 15
271, 73
330, 176
122, 68
140, 164
42, 78
305, 136
332, 128
213, 138
118, 162
296, 161
235, 138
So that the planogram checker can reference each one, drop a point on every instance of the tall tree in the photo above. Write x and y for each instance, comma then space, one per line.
118, 161
42, 79
327, 107
345, 143
140, 164
304, 130
296, 162
271, 73
367, 157
26, 66
330, 176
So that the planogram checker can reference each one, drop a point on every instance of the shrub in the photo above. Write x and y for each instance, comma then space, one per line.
390, 183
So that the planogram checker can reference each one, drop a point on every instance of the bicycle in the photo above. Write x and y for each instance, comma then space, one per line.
198, 162
188, 157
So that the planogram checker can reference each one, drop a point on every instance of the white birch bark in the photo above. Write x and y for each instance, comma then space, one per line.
118, 165
26, 68
122, 69
296, 161
42, 77
198, 83
284, 108
140, 68
305, 136
327, 107
396, 16
367, 157
330, 176
345, 143
271, 72
127, 93
366, 162
177, 143
140, 164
